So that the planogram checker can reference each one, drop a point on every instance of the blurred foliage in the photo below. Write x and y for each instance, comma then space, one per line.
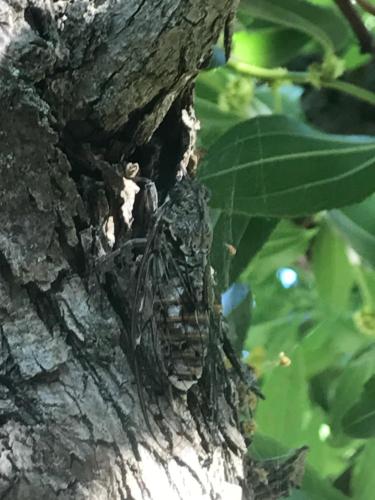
304, 315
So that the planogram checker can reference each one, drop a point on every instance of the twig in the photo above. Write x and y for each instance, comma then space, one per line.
303, 78
367, 6
365, 38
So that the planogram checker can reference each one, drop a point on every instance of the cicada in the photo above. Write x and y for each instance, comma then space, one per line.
170, 323
176, 339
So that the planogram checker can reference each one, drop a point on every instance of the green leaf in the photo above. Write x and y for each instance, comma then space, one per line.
349, 387
318, 488
333, 272
354, 58
228, 230
286, 244
326, 3
325, 25
320, 346
257, 232
277, 166
276, 335
325, 458
359, 420
357, 225
214, 121
326, 347
281, 415
237, 239
363, 481
268, 47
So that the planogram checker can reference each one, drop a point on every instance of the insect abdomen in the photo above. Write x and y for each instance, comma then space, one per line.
183, 338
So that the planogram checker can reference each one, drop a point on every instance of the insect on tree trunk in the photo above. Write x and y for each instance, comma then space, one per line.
100, 397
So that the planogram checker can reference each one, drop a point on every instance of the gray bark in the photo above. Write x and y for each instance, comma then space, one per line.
85, 87
97, 77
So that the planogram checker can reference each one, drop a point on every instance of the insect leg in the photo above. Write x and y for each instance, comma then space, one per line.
105, 260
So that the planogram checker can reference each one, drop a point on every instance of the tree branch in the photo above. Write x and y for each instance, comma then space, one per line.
367, 6
365, 38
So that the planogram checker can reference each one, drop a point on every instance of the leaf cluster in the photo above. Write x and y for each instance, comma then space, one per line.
294, 219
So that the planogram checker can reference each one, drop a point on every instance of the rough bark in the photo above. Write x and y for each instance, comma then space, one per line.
87, 87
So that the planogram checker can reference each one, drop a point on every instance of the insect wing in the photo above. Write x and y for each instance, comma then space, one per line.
182, 324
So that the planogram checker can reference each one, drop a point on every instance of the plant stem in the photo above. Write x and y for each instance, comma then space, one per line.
303, 78
351, 89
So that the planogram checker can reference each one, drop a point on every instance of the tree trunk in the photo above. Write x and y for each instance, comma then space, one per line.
89, 91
